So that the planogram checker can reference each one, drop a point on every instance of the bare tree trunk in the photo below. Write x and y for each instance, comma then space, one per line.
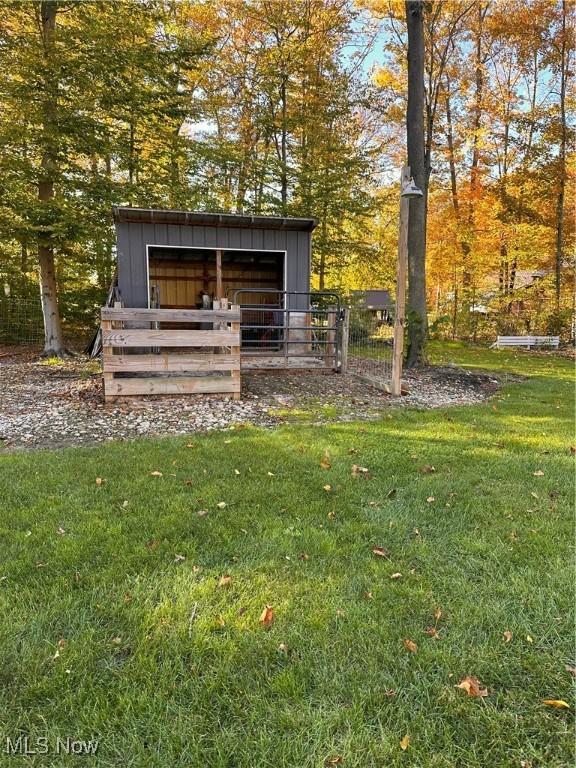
417, 313
562, 164
53, 338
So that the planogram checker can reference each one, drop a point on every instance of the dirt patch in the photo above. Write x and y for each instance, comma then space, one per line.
51, 404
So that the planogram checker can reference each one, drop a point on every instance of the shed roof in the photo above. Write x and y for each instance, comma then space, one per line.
202, 218
373, 299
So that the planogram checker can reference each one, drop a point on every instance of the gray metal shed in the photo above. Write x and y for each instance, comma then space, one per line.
180, 255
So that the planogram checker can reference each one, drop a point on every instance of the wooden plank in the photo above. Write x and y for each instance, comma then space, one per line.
170, 315
170, 363
401, 270
162, 338
173, 385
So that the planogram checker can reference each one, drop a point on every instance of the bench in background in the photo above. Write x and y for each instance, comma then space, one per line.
527, 341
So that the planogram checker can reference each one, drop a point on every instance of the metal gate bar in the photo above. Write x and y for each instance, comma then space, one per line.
308, 336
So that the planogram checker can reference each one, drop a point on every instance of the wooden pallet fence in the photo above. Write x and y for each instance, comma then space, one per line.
143, 355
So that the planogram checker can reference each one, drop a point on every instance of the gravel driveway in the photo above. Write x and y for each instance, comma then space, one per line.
49, 405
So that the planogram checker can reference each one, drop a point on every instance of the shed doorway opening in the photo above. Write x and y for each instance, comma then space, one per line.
189, 278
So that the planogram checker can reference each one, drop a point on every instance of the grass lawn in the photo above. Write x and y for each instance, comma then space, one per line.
115, 627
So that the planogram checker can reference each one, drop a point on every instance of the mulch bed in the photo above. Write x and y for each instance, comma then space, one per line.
47, 405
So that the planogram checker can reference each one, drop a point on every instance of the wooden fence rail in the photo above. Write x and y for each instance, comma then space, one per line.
137, 357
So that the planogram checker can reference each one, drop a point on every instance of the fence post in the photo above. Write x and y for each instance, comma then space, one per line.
402, 267
330, 359
107, 352
344, 343
235, 373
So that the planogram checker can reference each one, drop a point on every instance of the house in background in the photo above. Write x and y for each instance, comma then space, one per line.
378, 302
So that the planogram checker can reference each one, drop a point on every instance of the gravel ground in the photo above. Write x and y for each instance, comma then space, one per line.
47, 405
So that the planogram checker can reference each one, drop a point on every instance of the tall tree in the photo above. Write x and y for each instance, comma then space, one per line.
417, 310
48, 96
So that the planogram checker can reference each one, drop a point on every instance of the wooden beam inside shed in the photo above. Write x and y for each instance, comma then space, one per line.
219, 293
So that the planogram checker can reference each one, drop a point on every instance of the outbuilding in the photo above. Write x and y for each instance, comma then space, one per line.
182, 259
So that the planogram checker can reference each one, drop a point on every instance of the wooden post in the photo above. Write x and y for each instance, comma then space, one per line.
219, 294
401, 270
344, 341
107, 352
235, 373
330, 360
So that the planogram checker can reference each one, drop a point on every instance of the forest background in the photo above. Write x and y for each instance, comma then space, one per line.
295, 108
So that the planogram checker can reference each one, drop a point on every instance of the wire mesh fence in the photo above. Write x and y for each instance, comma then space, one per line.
370, 346
21, 320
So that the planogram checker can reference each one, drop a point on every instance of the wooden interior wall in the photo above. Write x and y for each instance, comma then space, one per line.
181, 283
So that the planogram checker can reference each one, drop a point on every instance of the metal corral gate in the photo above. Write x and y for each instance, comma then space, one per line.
290, 330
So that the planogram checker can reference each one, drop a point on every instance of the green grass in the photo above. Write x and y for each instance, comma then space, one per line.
147, 667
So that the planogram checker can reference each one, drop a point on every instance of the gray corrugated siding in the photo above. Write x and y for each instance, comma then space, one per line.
132, 239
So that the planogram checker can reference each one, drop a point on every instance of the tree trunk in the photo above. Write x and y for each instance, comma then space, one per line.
53, 338
562, 163
284, 148
417, 314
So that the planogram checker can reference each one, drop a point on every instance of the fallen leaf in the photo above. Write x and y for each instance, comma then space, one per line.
507, 635
472, 686
221, 504
405, 743
432, 632
396, 576
381, 551
558, 703
152, 543
179, 558
529, 638
430, 499
202, 512
61, 531
267, 616
331, 515
325, 461
219, 622
358, 471
368, 595
124, 504
156, 473
336, 760
327, 488
538, 473
116, 640
99, 481
427, 469
438, 614
224, 581
236, 472
271, 474
410, 645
